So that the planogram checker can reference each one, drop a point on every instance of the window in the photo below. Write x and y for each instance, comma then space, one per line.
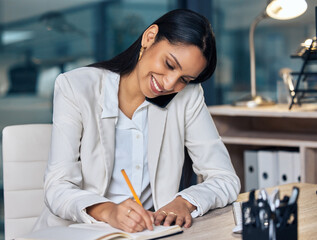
275, 41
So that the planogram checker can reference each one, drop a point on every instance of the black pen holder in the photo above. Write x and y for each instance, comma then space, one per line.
257, 217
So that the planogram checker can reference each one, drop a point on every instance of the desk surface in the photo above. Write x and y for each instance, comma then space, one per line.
218, 224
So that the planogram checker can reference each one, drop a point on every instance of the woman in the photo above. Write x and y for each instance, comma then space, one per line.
137, 112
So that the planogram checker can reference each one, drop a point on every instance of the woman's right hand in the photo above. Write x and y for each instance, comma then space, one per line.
128, 216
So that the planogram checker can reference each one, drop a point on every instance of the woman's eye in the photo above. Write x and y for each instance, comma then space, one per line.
169, 66
183, 80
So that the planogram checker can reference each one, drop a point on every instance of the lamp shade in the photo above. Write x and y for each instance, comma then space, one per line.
286, 9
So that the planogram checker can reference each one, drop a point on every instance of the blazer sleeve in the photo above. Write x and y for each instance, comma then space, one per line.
63, 178
211, 160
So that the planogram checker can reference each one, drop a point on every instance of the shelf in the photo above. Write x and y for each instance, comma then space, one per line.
278, 110
277, 126
267, 142
243, 128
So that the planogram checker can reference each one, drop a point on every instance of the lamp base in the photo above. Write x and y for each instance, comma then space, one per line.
251, 102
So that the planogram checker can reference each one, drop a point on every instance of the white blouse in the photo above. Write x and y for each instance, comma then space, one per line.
131, 155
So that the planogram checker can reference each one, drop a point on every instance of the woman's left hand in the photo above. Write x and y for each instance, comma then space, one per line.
177, 211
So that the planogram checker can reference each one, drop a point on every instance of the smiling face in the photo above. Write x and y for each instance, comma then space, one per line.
166, 68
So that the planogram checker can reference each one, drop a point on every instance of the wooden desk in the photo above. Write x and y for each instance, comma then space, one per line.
218, 224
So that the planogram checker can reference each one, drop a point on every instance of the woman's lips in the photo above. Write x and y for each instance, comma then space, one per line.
155, 86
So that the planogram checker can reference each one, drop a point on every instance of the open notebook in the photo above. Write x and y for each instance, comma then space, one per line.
98, 231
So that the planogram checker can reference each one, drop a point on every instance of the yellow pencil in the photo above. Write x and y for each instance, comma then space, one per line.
131, 187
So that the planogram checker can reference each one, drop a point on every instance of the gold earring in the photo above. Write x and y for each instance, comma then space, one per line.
141, 52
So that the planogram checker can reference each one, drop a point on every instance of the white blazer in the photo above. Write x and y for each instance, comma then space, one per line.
83, 142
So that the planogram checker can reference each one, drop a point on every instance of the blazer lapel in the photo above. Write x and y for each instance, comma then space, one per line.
157, 120
108, 110
107, 128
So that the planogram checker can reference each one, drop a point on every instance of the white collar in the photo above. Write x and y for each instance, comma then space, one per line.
110, 102
110, 105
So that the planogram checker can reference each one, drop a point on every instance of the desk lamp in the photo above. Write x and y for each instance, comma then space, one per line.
277, 9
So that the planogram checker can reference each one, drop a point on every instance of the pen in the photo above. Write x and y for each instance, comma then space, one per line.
131, 187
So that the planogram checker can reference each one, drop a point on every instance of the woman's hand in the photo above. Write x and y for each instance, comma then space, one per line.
127, 216
177, 211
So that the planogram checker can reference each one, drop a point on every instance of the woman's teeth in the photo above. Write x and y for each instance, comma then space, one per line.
155, 85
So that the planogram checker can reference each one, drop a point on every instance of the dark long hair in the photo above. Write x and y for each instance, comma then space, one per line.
177, 26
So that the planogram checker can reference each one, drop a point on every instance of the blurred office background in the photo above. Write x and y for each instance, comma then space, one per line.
41, 38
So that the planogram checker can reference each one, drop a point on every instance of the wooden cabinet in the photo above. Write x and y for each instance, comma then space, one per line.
277, 127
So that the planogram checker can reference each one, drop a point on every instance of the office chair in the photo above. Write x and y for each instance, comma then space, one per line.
25, 154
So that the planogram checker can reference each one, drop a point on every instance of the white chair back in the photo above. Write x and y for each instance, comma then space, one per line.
25, 154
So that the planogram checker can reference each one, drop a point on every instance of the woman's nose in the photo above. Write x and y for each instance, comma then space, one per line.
169, 82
